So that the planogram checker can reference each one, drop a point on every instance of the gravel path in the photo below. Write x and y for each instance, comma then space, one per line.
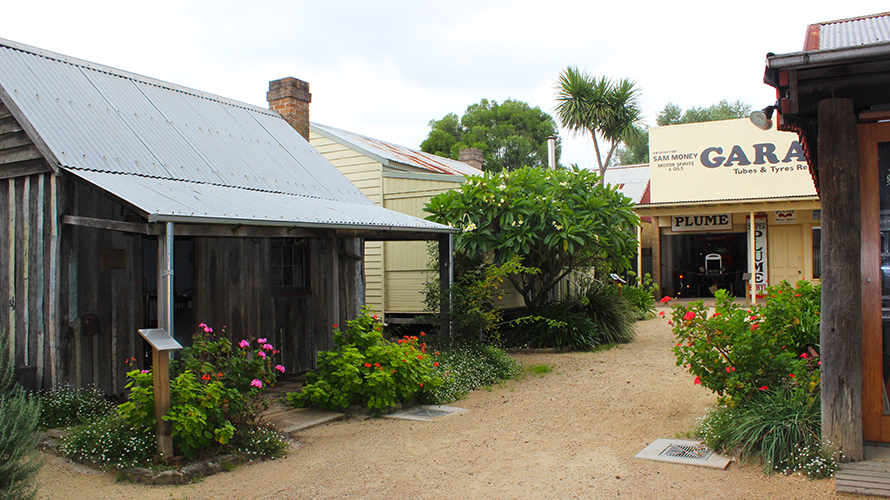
571, 433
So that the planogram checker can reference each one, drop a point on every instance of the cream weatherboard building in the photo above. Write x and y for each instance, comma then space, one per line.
708, 181
403, 180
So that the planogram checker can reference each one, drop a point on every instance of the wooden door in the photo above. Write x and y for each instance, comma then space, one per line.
874, 160
785, 254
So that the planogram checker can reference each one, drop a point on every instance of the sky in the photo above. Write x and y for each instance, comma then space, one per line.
386, 68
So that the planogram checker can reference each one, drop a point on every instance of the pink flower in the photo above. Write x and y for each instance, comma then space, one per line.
697, 381
256, 383
730, 369
261, 341
661, 314
689, 315
279, 368
665, 299
206, 328
716, 315
144, 371
764, 388
261, 354
754, 326
804, 355
244, 343
268, 347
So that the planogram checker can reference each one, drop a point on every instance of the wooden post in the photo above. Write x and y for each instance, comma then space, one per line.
160, 371
446, 278
841, 332
752, 272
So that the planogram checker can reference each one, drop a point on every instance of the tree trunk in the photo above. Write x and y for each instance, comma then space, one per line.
841, 332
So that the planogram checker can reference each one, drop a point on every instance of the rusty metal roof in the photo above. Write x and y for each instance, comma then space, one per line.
387, 152
176, 152
848, 33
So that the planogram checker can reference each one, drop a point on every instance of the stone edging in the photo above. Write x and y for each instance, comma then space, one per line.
181, 475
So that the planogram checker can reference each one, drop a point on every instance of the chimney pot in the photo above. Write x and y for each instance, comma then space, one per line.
471, 156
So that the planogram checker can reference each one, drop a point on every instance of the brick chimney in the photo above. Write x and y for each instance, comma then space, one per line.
290, 98
471, 156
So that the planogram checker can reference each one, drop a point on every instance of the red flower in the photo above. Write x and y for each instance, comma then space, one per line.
716, 314
797, 295
661, 314
436, 363
791, 375
205, 377
678, 344
368, 365
374, 316
420, 356
665, 299
804, 355
377, 365
421, 384
334, 325
730, 369
422, 334
764, 388
689, 315
754, 326
697, 381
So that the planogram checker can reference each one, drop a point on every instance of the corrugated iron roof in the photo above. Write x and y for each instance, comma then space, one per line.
848, 33
393, 152
171, 150
632, 180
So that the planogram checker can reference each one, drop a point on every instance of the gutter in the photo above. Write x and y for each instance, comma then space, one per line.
164, 218
814, 59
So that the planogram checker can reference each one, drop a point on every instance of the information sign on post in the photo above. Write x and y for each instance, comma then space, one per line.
161, 343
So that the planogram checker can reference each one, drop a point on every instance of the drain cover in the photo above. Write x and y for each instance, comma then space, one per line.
678, 451
426, 412
693, 452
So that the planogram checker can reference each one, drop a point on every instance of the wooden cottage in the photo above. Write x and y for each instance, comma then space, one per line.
129, 202
403, 180
836, 95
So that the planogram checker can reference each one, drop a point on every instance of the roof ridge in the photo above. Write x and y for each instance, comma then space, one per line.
101, 68
851, 19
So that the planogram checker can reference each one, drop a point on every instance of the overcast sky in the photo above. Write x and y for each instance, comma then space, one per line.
386, 68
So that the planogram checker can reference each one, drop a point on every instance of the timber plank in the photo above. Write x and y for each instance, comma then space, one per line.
8, 125
19, 154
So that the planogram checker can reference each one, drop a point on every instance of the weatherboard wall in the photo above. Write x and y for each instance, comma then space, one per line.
366, 174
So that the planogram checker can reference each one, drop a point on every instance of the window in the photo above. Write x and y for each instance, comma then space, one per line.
290, 265
817, 252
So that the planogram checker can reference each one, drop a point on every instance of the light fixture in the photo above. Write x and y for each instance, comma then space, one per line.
762, 118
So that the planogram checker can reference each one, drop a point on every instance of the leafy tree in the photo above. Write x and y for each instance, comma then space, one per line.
634, 151
723, 110
19, 460
511, 135
555, 220
598, 106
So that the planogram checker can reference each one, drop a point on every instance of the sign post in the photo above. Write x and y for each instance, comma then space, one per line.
161, 343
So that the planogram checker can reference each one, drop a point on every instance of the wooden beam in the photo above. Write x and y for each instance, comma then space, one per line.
21, 169
110, 225
841, 329
446, 279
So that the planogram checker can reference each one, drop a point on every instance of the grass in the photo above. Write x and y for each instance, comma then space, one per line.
537, 370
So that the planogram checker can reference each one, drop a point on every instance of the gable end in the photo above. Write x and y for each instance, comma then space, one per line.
18, 154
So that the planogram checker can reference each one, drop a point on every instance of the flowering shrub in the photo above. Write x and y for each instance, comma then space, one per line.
737, 353
110, 440
464, 368
217, 390
64, 406
366, 369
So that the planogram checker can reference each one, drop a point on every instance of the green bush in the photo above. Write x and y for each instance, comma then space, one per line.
612, 314
19, 460
367, 370
467, 367
472, 315
737, 353
781, 427
557, 324
111, 441
65, 406
641, 295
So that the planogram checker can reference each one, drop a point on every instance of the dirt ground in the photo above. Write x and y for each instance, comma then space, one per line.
571, 433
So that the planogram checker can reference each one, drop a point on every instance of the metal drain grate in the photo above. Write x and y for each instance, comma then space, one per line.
427, 413
694, 452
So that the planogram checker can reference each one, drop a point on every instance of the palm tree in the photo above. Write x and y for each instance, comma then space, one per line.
600, 107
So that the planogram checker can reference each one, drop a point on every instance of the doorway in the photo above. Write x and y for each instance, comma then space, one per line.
874, 158
786, 254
